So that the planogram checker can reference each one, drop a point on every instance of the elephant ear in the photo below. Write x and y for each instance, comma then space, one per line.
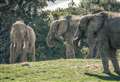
97, 22
62, 27
83, 26
84, 22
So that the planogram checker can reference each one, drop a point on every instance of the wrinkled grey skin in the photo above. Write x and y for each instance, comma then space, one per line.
103, 32
22, 42
64, 29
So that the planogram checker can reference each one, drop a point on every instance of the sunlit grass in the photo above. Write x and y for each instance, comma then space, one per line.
71, 70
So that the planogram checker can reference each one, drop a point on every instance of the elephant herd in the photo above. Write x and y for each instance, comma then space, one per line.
100, 30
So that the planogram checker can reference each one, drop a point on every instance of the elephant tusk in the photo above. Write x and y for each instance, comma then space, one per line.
75, 38
14, 45
24, 45
79, 43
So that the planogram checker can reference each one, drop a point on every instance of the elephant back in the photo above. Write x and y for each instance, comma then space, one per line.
30, 36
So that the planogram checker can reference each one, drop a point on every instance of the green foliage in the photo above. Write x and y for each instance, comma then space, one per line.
94, 5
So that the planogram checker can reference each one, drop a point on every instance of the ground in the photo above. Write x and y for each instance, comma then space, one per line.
69, 70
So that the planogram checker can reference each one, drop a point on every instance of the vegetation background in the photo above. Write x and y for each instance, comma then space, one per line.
31, 12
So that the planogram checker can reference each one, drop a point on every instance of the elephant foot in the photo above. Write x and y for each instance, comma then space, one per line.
118, 72
107, 72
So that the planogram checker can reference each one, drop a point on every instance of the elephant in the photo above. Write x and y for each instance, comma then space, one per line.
23, 40
64, 29
102, 32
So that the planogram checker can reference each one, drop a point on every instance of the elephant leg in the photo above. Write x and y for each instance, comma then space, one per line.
23, 57
70, 53
114, 60
92, 52
105, 63
33, 55
104, 51
12, 54
24, 52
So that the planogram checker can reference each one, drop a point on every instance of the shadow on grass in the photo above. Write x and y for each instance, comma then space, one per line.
110, 77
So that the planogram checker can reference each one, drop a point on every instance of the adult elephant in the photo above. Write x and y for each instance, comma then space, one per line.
22, 41
102, 31
64, 29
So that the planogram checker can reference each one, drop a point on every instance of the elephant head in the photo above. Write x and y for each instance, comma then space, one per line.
90, 26
57, 29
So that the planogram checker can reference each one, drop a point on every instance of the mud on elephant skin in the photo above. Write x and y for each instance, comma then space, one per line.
64, 29
102, 31
22, 41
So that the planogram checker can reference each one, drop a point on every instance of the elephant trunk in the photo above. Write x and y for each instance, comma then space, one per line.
93, 50
50, 40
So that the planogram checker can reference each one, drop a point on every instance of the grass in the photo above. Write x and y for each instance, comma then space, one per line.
71, 70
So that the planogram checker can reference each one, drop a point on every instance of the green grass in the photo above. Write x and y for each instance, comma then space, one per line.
71, 70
